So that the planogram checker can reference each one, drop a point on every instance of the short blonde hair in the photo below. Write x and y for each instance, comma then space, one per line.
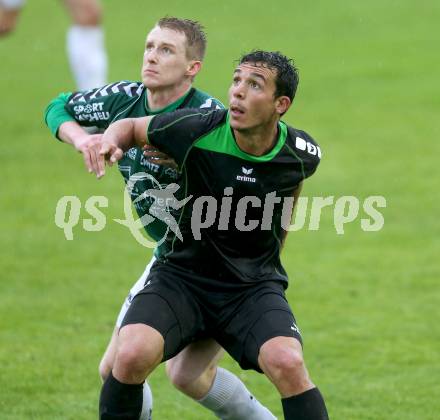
194, 34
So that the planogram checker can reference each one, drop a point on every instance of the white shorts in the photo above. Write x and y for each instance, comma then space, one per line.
138, 286
11, 4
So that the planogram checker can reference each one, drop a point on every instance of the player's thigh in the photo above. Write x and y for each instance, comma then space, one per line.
275, 320
136, 288
195, 359
107, 361
166, 305
265, 314
84, 12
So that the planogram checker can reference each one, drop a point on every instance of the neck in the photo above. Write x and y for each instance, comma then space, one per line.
160, 98
257, 141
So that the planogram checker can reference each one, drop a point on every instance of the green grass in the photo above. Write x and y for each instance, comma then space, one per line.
367, 303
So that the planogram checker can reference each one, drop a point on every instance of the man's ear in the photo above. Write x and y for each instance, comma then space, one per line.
282, 104
193, 68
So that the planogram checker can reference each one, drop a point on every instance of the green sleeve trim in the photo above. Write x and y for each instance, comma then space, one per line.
221, 140
56, 114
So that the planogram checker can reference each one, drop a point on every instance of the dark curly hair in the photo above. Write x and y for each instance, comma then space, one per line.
287, 77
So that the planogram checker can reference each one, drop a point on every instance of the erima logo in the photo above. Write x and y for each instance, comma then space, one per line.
301, 144
246, 172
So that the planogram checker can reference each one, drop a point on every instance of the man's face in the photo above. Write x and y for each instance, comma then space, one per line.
252, 102
165, 63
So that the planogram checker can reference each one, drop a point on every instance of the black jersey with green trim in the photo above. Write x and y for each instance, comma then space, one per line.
231, 225
125, 99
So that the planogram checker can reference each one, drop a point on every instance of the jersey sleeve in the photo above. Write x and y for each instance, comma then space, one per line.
56, 114
92, 108
174, 133
307, 151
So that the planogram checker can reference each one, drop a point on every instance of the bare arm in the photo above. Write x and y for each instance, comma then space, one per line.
88, 145
71, 132
118, 138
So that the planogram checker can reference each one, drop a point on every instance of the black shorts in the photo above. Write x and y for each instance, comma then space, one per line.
241, 320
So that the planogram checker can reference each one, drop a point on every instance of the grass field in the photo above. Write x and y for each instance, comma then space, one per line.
367, 302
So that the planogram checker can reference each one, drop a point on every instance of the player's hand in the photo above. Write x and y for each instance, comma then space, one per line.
154, 155
117, 136
89, 146
109, 153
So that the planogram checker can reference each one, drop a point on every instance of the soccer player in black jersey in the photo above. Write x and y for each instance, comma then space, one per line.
173, 55
221, 275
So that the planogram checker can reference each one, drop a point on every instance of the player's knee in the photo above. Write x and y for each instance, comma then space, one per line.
104, 369
140, 349
282, 361
132, 358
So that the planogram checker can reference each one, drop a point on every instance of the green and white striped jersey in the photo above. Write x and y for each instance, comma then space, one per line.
102, 106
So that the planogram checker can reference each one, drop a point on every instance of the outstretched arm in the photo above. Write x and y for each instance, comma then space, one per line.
87, 144
118, 138
69, 122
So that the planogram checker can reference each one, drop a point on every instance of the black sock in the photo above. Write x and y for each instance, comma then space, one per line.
306, 406
120, 401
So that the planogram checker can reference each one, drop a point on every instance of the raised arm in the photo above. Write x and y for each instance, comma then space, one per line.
161, 131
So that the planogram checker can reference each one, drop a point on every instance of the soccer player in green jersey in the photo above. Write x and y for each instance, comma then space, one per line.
173, 54
224, 279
